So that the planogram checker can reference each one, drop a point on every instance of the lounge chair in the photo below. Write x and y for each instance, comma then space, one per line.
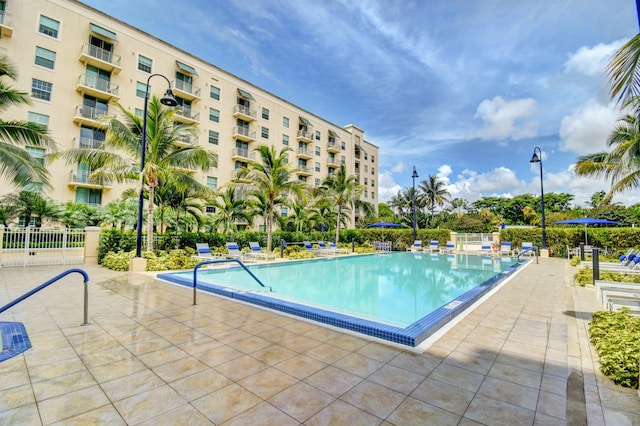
434, 246
505, 249
324, 248
527, 249
204, 252
234, 253
309, 247
417, 246
257, 253
486, 248
336, 249
450, 247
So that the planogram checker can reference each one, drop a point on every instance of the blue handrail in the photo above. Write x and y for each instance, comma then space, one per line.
209, 262
51, 281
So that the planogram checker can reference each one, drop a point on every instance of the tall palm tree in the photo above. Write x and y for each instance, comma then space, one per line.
16, 164
624, 73
435, 193
344, 190
164, 156
231, 208
271, 176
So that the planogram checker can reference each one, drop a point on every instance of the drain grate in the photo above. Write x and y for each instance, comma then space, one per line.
14, 339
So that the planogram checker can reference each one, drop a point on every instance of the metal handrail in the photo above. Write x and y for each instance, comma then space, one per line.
534, 249
51, 281
209, 262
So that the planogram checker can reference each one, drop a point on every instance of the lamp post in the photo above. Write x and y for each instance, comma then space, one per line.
169, 100
538, 159
414, 176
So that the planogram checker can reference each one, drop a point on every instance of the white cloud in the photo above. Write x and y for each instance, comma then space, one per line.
398, 168
585, 131
387, 187
506, 119
592, 61
472, 185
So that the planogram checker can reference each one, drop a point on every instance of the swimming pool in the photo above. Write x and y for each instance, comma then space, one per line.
401, 297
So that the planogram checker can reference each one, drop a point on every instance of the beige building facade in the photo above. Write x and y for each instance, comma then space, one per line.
77, 62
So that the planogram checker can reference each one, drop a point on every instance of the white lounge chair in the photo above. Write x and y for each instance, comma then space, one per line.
527, 249
234, 253
336, 249
204, 252
417, 246
505, 249
434, 246
257, 253
450, 247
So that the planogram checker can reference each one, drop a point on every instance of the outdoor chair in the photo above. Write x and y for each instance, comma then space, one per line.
234, 253
257, 253
204, 252
434, 246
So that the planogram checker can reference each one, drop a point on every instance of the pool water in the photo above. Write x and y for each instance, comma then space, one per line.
394, 290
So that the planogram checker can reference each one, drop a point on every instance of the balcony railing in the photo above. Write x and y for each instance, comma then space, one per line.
241, 152
303, 134
6, 24
82, 177
187, 114
90, 113
244, 132
244, 110
101, 54
99, 84
186, 88
83, 142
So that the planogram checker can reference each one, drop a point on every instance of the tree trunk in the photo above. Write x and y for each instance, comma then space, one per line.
150, 220
338, 224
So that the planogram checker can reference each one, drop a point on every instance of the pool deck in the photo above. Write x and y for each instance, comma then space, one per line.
149, 357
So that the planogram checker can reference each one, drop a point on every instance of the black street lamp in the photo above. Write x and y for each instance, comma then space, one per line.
538, 159
414, 176
169, 100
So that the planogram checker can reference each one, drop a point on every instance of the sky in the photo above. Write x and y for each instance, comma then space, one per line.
461, 89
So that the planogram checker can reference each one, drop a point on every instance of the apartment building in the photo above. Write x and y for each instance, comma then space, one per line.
77, 62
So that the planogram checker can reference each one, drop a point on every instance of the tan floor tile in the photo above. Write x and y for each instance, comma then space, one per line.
414, 412
267, 383
326, 353
457, 376
147, 405
55, 369
322, 334
16, 397
106, 415
273, 354
341, 413
251, 344
45, 389
162, 356
301, 366
516, 374
277, 335
71, 404
379, 352
240, 367
469, 362
416, 363
509, 358
544, 420
509, 392
443, 395
183, 415
358, 364
141, 348
333, 381
263, 414
115, 370
200, 384
35, 356
374, 399
491, 411
96, 359
24, 415
130, 385
12, 379
219, 355
397, 379
348, 342
301, 401
172, 371
300, 343
226, 403
201, 345
552, 405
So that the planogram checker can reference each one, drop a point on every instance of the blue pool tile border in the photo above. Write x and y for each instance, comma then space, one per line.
411, 335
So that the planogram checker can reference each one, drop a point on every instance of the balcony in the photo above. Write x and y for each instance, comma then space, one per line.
90, 116
305, 136
241, 154
244, 113
186, 141
185, 90
333, 147
304, 171
97, 87
332, 162
88, 143
237, 175
81, 178
186, 116
6, 24
243, 134
304, 154
100, 58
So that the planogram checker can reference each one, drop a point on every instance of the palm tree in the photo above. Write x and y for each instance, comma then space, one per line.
624, 73
435, 193
164, 156
231, 208
344, 190
119, 213
16, 164
271, 176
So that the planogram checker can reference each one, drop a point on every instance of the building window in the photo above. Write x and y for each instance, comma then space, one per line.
214, 92
214, 115
373, 195
264, 132
45, 58
317, 135
284, 211
302, 178
49, 26
144, 63
285, 139
88, 196
285, 122
141, 89
41, 119
317, 150
41, 89
343, 160
317, 182
366, 193
373, 158
373, 170
138, 112
184, 82
365, 155
213, 137
317, 166
366, 168
343, 145
37, 153
210, 209
265, 113
373, 183
212, 182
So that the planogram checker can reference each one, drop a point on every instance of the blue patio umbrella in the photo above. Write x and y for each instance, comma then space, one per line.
586, 221
383, 225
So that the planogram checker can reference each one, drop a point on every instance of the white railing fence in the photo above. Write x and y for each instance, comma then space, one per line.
36, 246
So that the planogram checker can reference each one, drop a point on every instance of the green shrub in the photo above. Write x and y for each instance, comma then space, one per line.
118, 261
616, 337
585, 276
